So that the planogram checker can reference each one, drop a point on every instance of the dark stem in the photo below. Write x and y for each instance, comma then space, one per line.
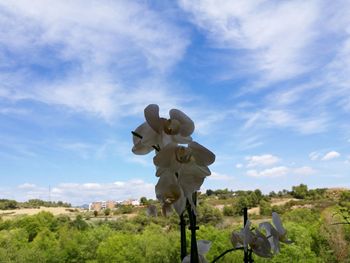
227, 251
193, 228
245, 219
183, 236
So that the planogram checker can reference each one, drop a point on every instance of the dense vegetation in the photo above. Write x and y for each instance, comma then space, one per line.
6, 204
317, 227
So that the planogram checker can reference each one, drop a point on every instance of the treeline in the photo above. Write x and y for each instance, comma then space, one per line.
300, 192
7, 204
237, 200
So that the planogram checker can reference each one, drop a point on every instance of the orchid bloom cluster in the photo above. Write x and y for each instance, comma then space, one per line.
262, 245
181, 163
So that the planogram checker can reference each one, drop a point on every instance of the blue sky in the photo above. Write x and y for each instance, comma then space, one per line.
266, 83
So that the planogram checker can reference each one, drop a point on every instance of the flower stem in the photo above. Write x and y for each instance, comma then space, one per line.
183, 236
193, 228
245, 219
224, 253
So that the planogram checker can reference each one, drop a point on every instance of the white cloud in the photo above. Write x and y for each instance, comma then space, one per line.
261, 160
271, 172
80, 193
95, 50
330, 155
281, 171
239, 165
276, 35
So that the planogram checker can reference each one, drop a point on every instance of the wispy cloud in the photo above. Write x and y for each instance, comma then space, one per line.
283, 118
276, 35
90, 52
314, 156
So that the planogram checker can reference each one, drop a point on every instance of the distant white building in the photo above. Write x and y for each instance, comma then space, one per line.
101, 205
135, 202
98, 206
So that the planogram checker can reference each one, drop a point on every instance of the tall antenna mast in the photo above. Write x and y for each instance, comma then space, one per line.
49, 193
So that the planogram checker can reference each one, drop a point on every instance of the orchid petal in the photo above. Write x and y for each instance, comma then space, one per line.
187, 125
261, 246
189, 180
236, 239
166, 156
202, 155
167, 190
278, 224
144, 143
203, 246
246, 234
141, 149
180, 204
152, 117
272, 236
180, 139
165, 139
204, 170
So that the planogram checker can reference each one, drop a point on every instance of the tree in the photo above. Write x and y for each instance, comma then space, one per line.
272, 194
209, 192
209, 215
241, 203
265, 208
300, 191
228, 210
107, 211
143, 201
6, 204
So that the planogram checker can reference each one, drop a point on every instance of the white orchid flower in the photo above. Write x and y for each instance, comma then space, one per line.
174, 156
189, 180
236, 239
275, 234
168, 192
189, 164
148, 138
261, 245
257, 241
280, 229
157, 131
203, 248
272, 236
